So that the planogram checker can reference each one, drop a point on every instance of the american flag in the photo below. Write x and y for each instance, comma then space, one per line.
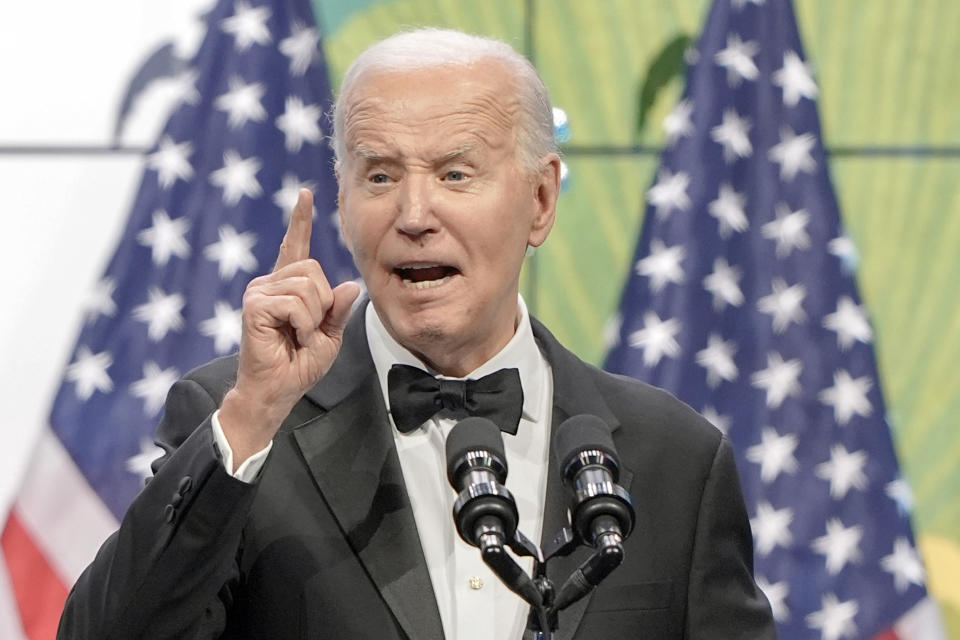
251, 129
742, 300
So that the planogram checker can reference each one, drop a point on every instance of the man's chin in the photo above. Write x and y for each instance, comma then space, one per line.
424, 337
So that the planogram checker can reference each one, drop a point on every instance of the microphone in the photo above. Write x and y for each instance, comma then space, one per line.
477, 469
601, 510
589, 466
485, 512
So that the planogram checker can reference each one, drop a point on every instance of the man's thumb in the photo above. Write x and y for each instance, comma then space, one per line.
344, 295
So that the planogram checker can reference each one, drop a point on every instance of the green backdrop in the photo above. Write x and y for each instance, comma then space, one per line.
890, 109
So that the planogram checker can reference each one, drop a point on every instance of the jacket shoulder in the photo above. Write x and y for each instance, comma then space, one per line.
657, 414
644, 413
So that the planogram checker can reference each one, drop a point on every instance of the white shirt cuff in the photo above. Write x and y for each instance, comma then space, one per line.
247, 472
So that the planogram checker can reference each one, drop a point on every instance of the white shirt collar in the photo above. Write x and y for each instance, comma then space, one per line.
521, 353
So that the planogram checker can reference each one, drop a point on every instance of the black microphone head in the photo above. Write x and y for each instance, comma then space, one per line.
579, 433
473, 434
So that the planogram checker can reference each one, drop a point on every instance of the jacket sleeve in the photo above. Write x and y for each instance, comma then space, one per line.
170, 570
724, 601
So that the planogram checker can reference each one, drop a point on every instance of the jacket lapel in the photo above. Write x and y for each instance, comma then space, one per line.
350, 452
574, 393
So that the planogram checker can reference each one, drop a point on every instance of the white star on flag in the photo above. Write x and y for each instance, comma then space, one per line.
161, 313
248, 25
170, 161
737, 58
100, 301
288, 193
792, 153
835, 618
185, 88
232, 251
844, 470
724, 284
774, 454
849, 322
777, 597
843, 247
714, 417
238, 177
152, 388
89, 372
728, 209
731, 134
657, 338
717, 359
784, 305
301, 46
788, 230
165, 238
677, 124
899, 491
224, 327
242, 102
796, 79
662, 265
840, 545
669, 193
905, 565
139, 464
847, 396
300, 123
779, 379
771, 528
611, 331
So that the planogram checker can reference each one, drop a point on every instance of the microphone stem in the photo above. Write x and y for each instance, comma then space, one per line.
490, 536
605, 559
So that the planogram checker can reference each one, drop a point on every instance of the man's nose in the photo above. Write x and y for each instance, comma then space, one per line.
415, 215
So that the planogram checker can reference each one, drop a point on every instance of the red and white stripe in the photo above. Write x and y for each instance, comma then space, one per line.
52, 533
922, 622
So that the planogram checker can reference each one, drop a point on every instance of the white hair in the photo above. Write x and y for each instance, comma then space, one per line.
430, 47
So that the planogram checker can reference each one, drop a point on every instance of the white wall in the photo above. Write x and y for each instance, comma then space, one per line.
64, 67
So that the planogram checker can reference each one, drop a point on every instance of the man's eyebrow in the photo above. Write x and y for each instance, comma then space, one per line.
455, 154
369, 154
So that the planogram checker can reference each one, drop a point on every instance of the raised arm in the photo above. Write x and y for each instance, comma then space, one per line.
170, 570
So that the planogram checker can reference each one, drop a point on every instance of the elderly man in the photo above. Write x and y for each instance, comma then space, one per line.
300, 497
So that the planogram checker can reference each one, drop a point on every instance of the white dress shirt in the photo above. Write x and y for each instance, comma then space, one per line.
473, 603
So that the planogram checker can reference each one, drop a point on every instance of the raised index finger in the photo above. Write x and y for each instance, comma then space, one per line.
296, 241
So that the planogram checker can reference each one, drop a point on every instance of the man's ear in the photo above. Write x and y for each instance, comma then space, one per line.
546, 184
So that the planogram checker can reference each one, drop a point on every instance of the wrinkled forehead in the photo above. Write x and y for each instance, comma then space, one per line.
476, 100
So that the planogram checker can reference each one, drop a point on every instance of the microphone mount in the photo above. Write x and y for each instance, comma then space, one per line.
486, 516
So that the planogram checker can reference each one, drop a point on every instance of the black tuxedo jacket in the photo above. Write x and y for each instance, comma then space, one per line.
324, 544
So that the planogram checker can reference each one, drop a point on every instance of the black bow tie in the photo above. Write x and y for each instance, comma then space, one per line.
415, 396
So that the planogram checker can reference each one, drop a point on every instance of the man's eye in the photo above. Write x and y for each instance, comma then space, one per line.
379, 178
455, 176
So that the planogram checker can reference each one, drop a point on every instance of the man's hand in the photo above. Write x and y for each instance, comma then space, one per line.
293, 326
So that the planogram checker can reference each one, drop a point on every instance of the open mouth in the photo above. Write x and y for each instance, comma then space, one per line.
425, 276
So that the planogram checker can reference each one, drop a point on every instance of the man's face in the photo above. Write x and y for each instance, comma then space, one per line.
438, 210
